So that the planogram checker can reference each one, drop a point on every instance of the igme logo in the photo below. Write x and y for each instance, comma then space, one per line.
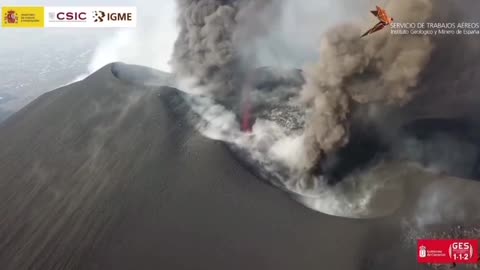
100, 16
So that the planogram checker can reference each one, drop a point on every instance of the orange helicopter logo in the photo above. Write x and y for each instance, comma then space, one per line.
385, 20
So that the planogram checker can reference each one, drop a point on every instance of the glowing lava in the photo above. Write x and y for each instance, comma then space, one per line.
246, 114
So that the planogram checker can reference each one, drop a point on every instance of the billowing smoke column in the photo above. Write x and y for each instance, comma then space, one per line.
211, 31
204, 50
212, 50
352, 74
351, 71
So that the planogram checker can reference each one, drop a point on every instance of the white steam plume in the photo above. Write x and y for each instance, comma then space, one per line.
149, 44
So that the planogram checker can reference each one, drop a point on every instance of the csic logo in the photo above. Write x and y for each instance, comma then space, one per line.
11, 17
69, 16
100, 16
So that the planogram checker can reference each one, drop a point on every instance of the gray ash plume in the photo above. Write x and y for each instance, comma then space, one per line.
211, 31
353, 71
406, 74
204, 49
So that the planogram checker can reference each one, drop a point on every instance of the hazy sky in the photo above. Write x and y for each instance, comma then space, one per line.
33, 61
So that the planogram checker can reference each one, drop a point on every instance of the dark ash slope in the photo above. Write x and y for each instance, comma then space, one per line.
101, 174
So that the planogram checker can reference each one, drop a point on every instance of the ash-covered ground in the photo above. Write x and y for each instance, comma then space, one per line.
132, 162
384, 178
350, 183
323, 130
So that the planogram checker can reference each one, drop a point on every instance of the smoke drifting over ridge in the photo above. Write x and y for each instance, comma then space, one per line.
210, 50
353, 70
352, 92
204, 49
351, 73
211, 33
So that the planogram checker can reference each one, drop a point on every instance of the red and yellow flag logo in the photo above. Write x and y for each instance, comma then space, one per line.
23, 17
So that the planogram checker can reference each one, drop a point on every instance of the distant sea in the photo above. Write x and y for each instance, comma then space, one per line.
35, 61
